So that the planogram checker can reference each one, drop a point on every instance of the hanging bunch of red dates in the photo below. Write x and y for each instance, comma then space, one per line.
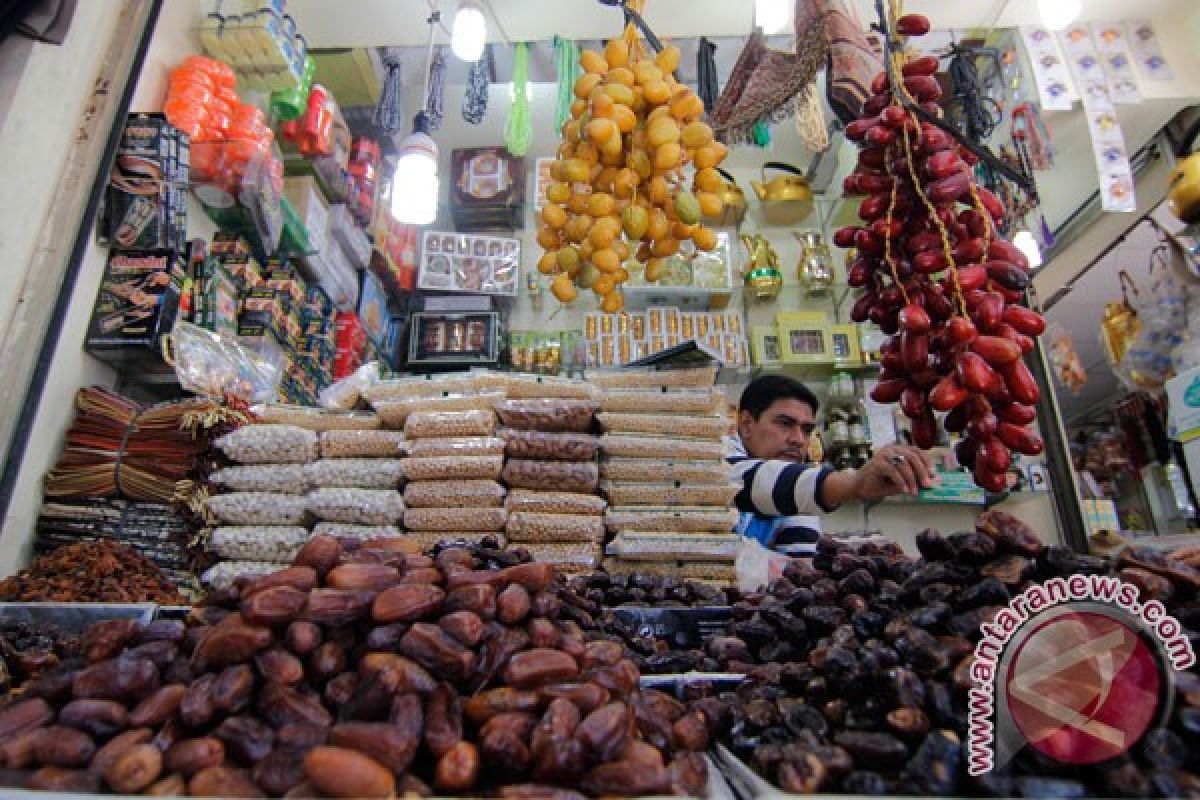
939, 278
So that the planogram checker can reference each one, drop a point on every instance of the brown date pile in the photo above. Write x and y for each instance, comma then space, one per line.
357, 672
870, 696
26, 650
940, 279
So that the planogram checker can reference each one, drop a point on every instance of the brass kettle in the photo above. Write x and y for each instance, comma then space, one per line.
762, 277
787, 199
733, 205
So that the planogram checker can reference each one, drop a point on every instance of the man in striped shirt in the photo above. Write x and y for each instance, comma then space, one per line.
782, 493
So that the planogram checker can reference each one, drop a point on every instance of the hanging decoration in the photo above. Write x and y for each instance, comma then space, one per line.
1147, 51
435, 103
852, 61
389, 114
475, 99
518, 134
1050, 73
810, 120
1117, 62
706, 68
566, 56
1064, 358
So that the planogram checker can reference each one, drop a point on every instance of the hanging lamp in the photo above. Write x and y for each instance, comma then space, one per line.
415, 185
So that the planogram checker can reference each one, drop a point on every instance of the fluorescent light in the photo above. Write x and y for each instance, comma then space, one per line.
771, 15
415, 183
1058, 14
1027, 243
470, 32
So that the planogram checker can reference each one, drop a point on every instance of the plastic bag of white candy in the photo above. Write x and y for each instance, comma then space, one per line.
280, 478
222, 575
270, 444
259, 508
357, 506
258, 543
356, 473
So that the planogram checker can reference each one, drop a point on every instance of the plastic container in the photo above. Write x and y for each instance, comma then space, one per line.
624, 445
670, 494
460, 446
713, 428
541, 386
454, 494
551, 416
277, 478
269, 444
449, 468
554, 476
455, 519
252, 543
259, 508
664, 401
357, 473
360, 444
318, 419
671, 520
649, 470
441, 424
357, 506
539, 446
634, 546
525, 526
394, 413
525, 500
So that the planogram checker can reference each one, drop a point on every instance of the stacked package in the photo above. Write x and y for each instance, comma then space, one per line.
453, 456
551, 471
664, 473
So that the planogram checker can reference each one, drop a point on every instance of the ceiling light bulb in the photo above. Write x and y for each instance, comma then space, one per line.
415, 182
771, 15
1027, 243
1058, 14
470, 32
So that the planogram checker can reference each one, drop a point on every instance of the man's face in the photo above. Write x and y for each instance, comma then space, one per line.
780, 433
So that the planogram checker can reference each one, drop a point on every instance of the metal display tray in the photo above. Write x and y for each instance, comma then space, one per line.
682, 627
74, 617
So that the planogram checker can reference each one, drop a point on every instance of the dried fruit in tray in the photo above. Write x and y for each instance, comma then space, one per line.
259, 508
524, 526
455, 519
258, 543
642, 546
317, 419
365, 533
649, 470
422, 386
456, 446
539, 446
222, 575
671, 520
455, 493
551, 416
540, 386
361, 444
658, 401
439, 424
683, 378
279, 478
557, 476
269, 444
694, 427
357, 506
555, 502
395, 413
448, 468
625, 445
356, 473
670, 494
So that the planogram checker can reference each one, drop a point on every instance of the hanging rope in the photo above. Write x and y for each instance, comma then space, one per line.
435, 103
981, 114
389, 116
475, 99
518, 135
706, 68
810, 120
566, 54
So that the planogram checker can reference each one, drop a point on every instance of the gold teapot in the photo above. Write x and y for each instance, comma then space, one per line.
786, 200
761, 275
733, 201
815, 270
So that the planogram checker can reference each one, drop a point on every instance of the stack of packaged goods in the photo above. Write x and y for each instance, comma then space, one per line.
453, 457
551, 472
669, 493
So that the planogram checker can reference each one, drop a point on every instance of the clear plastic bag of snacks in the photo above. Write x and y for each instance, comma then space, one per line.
683, 378
222, 575
427, 540
555, 502
269, 444
278, 478
552, 476
449, 468
363, 533
454, 494
669, 401
551, 416
525, 387
671, 520
670, 494
462, 446
345, 395
357, 506
259, 508
442, 424
717, 573
620, 445
357, 473
421, 386
455, 519
395, 413
317, 419
362, 444
525, 526
634, 546
693, 427
539, 446
569, 558
650, 470
258, 543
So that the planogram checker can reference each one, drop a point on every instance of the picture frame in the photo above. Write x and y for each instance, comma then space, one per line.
805, 337
847, 351
765, 346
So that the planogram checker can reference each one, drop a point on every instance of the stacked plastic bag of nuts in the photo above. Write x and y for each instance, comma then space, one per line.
554, 511
663, 471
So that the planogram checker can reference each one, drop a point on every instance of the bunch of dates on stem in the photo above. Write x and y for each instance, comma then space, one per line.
939, 279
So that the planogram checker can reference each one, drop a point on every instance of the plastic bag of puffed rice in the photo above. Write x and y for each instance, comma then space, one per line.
279, 544
356, 473
357, 506
279, 478
269, 444
259, 508
223, 574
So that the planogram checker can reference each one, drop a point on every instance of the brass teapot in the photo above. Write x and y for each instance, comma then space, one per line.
815, 270
761, 275
733, 201
786, 200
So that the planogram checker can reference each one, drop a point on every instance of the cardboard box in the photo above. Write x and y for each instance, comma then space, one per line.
309, 204
136, 306
373, 308
1183, 406
487, 190
146, 201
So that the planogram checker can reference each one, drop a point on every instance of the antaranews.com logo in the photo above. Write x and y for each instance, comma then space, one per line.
1077, 668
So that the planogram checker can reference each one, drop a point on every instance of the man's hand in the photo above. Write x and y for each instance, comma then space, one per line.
895, 469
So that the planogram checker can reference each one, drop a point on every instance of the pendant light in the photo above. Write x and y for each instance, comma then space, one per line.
1027, 243
470, 32
771, 15
415, 185
1058, 14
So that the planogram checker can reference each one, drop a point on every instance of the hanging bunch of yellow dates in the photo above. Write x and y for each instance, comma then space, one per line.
635, 173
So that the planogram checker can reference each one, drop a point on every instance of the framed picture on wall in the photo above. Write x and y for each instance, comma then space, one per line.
846, 350
805, 337
765, 346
